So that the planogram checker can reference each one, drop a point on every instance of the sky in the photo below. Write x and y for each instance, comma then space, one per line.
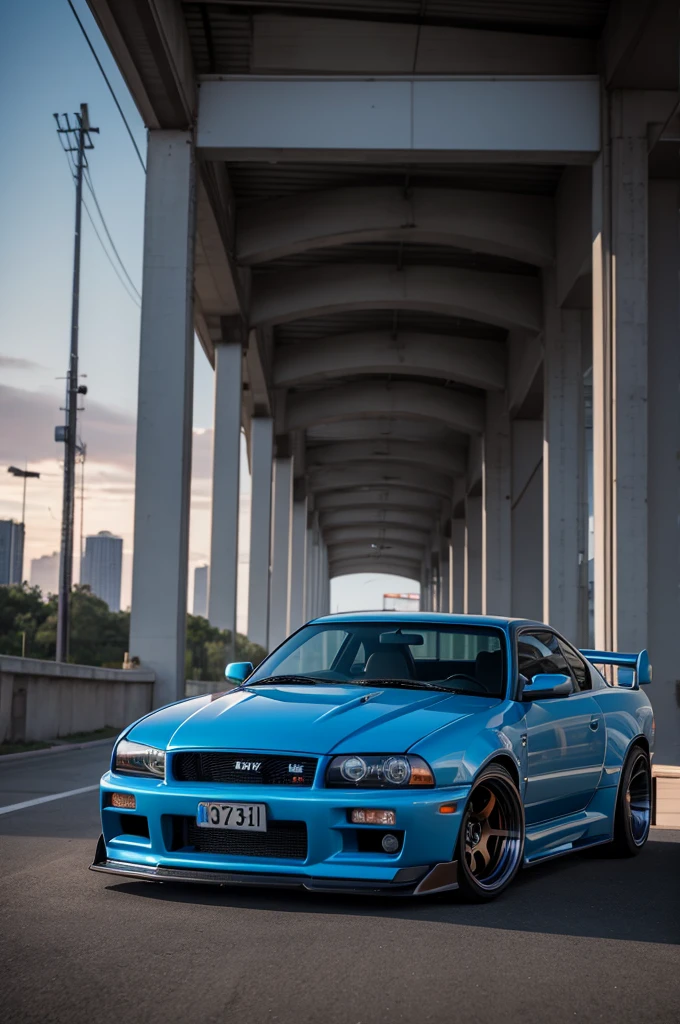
46, 68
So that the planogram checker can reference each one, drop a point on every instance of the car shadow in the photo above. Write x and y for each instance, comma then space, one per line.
580, 895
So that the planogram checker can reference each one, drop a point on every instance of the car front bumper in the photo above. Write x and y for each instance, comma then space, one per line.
333, 862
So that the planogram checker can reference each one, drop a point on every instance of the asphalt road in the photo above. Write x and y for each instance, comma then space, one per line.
581, 939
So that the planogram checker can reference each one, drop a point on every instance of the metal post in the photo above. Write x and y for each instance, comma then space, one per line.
72, 390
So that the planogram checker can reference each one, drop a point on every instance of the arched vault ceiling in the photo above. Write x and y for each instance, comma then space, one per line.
508, 300
499, 223
385, 563
372, 533
478, 363
364, 549
373, 399
363, 474
440, 459
382, 498
378, 517
387, 428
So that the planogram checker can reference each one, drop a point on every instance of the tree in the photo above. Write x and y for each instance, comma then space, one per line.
208, 649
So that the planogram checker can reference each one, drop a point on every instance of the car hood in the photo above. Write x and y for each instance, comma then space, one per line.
317, 720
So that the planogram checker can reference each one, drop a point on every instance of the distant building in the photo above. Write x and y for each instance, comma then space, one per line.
45, 573
101, 568
11, 552
201, 591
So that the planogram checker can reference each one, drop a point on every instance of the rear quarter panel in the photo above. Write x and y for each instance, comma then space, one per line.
628, 715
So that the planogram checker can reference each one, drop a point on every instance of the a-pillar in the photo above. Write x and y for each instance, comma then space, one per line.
565, 558
620, 392
496, 507
261, 449
279, 592
164, 410
298, 567
472, 596
458, 564
664, 465
225, 477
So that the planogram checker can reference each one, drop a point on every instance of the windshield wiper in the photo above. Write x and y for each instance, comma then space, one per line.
407, 684
273, 680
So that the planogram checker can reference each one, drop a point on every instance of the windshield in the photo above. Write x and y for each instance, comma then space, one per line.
463, 658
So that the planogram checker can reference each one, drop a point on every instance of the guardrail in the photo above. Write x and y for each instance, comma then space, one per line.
43, 700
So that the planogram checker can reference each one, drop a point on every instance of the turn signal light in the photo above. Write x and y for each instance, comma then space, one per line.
124, 800
421, 775
369, 816
448, 808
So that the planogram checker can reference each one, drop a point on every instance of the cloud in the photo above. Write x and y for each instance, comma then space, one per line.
14, 363
28, 419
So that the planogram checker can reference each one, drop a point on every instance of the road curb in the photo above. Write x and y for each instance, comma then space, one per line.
58, 748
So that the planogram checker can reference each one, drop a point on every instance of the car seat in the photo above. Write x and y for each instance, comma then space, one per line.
394, 664
489, 671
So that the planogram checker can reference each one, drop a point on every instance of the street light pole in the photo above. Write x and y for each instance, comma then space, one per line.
68, 433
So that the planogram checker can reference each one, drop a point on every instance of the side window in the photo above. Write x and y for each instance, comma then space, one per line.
540, 652
577, 666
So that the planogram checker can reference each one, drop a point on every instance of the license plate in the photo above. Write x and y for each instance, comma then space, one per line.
246, 817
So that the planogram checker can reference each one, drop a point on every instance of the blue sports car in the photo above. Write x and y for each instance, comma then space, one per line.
388, 753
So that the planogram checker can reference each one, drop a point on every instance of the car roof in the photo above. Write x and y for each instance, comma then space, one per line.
436, 618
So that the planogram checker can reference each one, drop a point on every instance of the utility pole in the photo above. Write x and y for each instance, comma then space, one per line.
76, 140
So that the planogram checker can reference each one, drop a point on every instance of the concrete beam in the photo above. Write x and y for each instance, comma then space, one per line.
525, 358
378, 497
358, 548
459, 411
361, 474
439, 459
376, 533
505, 300
418, 520
388, 565
478, 363
345, 46
387, 428
502, 224
520, 119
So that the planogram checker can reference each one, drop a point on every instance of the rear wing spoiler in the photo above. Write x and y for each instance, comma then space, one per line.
640, 670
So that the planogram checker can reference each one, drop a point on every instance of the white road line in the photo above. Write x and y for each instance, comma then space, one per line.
46, 799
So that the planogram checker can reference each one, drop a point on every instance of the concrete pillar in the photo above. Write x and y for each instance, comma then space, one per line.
526, 599
312, 567
225, 484
472, 597
496, 550
298, 567
446, 605
458, 565
565, 550
163, 453
620, 436
261, 447
282, 527
664, 464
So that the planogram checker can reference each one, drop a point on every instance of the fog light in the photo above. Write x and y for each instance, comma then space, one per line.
390, 843
368, 816
125, 800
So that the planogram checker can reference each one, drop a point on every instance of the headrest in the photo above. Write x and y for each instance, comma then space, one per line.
489, 670
393, 664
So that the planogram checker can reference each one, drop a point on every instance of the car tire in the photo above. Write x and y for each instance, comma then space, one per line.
633, 814
490, 847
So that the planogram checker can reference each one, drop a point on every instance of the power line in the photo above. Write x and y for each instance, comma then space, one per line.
108, 256
88, 182
110, 87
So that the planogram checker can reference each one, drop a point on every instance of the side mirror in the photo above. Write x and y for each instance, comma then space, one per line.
545, 685
238, 671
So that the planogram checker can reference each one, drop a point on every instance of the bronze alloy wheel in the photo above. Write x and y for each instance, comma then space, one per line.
491, 840
633, 805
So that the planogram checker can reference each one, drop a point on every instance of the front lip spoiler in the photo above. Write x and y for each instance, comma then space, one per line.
413, 881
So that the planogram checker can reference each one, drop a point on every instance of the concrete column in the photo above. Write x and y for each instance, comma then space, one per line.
620, 394
664, 464
472, 597
298, 567
312, 564
282, 527
446, 605
496, 550
458, 565
564, 485
527, 519
225, 485
261, 447
163, 453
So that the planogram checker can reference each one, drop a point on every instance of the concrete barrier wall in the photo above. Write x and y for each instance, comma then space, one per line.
42, 700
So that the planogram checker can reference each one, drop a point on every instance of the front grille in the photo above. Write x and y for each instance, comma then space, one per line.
253, 769
286, 840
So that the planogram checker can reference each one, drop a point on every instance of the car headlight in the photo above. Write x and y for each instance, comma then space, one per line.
139, 759
379, 771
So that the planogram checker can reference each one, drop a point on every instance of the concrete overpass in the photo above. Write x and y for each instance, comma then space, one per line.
431, 250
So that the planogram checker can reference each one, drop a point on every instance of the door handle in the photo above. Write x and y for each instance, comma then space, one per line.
594, 724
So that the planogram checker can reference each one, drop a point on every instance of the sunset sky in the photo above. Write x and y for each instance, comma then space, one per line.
36, 247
